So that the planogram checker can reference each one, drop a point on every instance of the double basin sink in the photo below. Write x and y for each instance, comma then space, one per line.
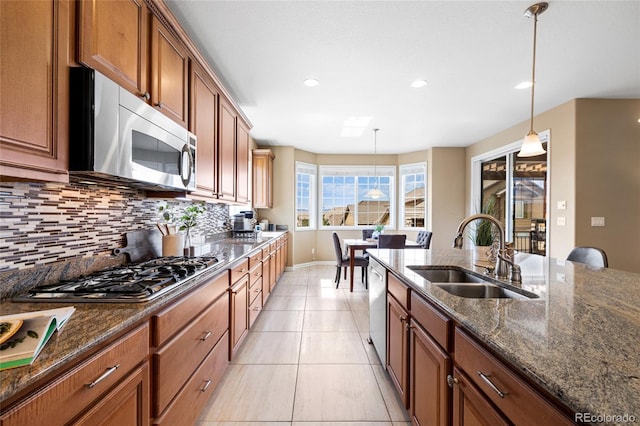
462, 283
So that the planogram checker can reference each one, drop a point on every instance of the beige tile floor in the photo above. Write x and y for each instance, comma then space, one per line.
306, 362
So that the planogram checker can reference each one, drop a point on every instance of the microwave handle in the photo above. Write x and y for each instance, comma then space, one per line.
185, 172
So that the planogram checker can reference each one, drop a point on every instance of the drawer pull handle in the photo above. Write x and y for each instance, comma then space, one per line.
206, 336
106, 374
206, 385
491, 385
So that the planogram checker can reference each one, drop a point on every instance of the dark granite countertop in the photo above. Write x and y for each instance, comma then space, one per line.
579, 340
93, 323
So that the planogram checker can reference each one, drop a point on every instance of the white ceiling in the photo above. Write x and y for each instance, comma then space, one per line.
366, 54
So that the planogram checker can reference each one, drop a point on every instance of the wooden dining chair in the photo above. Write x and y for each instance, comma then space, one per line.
393, 241
343, 261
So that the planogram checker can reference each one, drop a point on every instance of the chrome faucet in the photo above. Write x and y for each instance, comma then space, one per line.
502, 263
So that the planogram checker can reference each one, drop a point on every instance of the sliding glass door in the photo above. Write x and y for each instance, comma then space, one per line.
515, 191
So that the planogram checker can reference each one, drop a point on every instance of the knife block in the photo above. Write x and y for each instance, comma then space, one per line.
173, 245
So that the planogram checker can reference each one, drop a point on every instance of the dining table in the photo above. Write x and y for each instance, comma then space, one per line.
355, 244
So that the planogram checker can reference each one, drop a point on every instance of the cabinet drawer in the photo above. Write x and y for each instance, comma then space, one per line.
255, 274
398, 290
255, 308
170, 320
435, 323
175, 362
521, 403
71, 393
255, 259
187, 406
239, 271
255, 290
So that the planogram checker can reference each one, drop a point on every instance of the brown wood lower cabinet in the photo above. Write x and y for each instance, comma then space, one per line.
397, 347
429, 366
239, 324
90, 383
126, 405
188, 404
471, 407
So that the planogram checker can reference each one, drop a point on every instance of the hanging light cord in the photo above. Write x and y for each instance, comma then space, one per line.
375, 152
533, 68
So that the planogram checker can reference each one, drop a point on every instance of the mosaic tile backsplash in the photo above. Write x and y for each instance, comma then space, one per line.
46, 223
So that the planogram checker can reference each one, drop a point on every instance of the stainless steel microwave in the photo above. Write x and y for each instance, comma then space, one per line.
115, 134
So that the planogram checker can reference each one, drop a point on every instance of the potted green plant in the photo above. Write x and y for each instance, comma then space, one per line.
377, 230
185, 220
482, 235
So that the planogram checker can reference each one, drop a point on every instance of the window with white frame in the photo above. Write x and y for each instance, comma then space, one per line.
413, 195
305, 195
343, 196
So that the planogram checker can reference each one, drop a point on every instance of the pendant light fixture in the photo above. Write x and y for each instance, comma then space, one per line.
375, 193
532, 145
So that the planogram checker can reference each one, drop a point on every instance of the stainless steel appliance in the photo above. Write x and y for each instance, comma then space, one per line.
139, 282
378, 308
117, 135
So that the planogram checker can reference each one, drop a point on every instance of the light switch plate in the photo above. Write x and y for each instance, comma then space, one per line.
597, 221
562, 205
561, 221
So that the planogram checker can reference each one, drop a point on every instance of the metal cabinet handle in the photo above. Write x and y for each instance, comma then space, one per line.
206, 336
159, 104
104, 375
491, 385
451, 380
206, 385
145, 95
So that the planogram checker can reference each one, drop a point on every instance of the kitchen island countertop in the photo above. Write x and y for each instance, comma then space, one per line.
579, 340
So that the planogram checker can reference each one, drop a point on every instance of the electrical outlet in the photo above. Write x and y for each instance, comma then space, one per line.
313, 251
597, 221
561, 221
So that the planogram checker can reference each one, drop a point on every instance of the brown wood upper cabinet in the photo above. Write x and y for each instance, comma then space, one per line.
262, 171
169, 73
233, 155
203, 121
37, 48
114, 39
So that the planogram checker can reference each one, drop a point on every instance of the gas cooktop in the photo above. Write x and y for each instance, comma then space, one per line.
139, 282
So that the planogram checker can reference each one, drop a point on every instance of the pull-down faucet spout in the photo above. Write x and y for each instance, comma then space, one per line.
502, 269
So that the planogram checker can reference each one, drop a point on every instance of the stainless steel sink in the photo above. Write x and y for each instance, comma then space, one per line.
447, 275
483, 291
462, 283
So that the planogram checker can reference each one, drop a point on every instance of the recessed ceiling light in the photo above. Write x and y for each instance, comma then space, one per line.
524, 85
311, 82
419, 83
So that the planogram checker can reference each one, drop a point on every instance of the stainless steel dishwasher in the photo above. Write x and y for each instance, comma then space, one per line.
378, 308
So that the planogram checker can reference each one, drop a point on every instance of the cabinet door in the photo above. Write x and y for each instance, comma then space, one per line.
34, 76
397, 347
266, 280
430, 397
126, 405
227, 155
203, 118
113, 38
169, 73
470, 407
239, 314
262, 174
242, 163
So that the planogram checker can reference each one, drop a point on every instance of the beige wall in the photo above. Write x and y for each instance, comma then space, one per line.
447, 179
608, 178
